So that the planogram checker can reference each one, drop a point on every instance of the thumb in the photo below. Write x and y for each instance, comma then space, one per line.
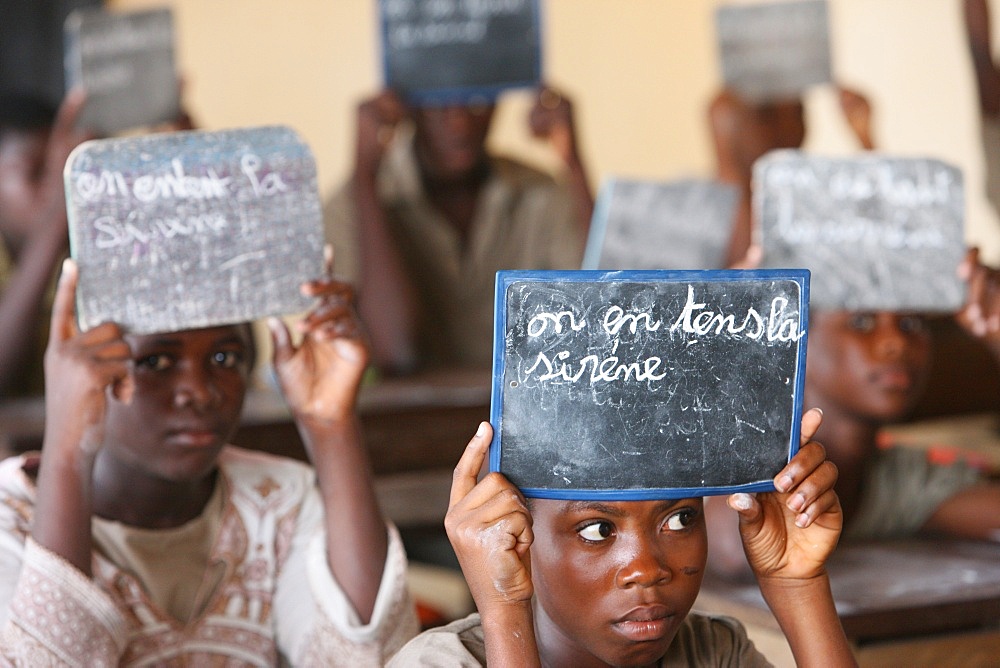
281, 341
746, 505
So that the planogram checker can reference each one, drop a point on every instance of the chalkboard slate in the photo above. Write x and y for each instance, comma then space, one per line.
125, 62
683, 224
193, 229
877, 232
459, 51
775, 50
647, 384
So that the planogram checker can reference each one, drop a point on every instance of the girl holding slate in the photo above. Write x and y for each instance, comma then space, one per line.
139, 535
599, 583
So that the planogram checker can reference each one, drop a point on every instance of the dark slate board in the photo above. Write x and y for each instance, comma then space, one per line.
700, 412
193, 229
774, 50
31, 48
877, 232
684, 224
459, 51
125, 62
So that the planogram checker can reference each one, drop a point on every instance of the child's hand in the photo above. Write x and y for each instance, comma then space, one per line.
377, 121
551, 118
320, 377
791, 533
79, 368
489, 527
981, 314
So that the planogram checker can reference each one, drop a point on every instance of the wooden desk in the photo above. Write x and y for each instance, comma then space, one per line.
913, 602
415, 429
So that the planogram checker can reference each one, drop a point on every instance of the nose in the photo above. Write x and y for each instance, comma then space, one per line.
194, 388
646, 566
892, 340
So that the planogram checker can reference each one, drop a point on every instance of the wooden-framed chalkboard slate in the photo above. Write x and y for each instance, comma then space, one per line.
459, 51
774, 50
647, 384
125, 62
878, 232
193, 229
682, 224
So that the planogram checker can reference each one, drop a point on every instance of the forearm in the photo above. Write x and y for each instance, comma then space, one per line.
23, 305
509, 636
806, 613
63, 507
977, 23
387, 297
355, 529
583, 198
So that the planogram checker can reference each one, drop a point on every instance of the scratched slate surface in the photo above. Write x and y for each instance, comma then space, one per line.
877, 232
125, 62
193, 229
682, 224
774, 50
451, 51
717, 412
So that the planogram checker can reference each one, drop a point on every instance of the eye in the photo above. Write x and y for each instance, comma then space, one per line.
596, 532
227, 359
155, 362
681, 520
862, 322
912, 324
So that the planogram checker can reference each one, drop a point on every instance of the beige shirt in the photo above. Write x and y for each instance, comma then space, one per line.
524, 220
707, 641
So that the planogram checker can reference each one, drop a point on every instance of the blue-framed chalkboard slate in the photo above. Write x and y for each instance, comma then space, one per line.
647, 384
878, 232
459, 51
184, 230
125, 62
644, 224
775, 50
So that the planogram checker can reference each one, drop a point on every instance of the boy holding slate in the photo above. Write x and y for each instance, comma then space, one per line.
430, 215
138, 534
597, 583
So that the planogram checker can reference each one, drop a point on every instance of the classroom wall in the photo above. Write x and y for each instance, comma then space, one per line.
641, 73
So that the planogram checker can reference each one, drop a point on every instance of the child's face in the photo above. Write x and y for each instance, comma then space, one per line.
614, 580
451, 141
873, 365
188, 394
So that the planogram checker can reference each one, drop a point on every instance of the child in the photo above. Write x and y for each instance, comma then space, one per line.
597, 583
868, 370
140, 536
430, 215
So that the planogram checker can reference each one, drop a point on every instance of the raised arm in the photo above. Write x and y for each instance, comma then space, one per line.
33, 216
79, 370
551, 118
489, 526
979, 38
788, 535
320, 378
387, 298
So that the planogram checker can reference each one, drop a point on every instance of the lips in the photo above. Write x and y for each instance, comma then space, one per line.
894, 378
194, 437
644, 623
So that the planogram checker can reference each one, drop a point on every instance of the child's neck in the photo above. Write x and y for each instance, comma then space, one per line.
146, 502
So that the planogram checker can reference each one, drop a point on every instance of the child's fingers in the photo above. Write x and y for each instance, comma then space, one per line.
466, 473
818, 506
63, 326
811, 421
281, 341
806, 460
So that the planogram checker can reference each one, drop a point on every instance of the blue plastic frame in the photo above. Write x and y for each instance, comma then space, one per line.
505, 278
